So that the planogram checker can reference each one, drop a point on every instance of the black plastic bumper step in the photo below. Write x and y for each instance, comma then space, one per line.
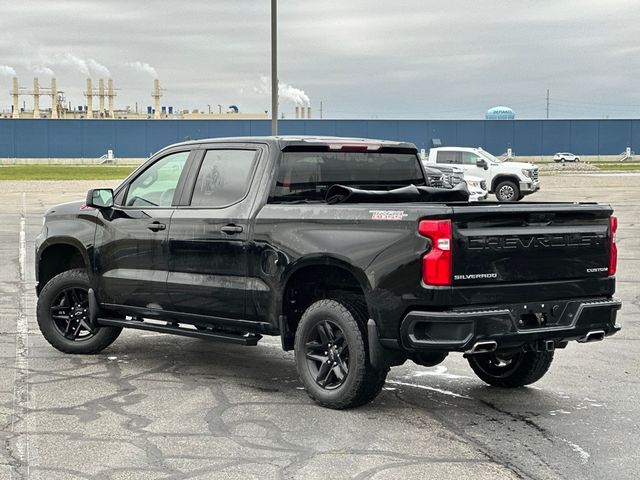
248, 339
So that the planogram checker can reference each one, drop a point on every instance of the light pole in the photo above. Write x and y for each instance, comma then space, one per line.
274, 67
209, 107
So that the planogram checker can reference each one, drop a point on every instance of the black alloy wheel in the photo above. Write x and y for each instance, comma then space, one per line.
511, 369
70, 314
331, 355
327, 355
498, 365
64, 319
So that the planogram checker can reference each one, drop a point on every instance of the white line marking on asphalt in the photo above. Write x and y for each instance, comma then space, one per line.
432, 389
21, 372
438, 371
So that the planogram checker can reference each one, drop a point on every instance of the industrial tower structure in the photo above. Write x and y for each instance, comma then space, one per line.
57, 98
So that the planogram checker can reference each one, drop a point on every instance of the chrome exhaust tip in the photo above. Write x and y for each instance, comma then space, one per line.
484, 346
593, 336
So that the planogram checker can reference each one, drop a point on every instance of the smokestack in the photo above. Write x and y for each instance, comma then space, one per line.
308, 112
36, 98
110, 94
54, 99
89, 95
15, 95
101, 98
297, 111
156, 98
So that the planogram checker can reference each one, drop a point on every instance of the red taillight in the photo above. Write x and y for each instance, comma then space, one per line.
436, 265
613, 249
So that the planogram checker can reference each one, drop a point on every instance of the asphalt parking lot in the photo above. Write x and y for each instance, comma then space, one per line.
159, 406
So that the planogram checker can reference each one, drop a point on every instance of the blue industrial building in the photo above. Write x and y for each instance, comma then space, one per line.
46, 138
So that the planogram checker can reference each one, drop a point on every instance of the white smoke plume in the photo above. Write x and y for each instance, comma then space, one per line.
6, 70
143, 67
42, 70
285, 91
97, 68
86, 67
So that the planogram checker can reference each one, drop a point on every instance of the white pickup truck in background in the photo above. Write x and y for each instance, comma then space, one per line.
509, 181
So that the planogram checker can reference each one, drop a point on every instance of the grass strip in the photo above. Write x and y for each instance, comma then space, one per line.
63, 172
618, 167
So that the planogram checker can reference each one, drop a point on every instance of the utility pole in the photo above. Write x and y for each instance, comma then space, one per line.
547, 104
274, 67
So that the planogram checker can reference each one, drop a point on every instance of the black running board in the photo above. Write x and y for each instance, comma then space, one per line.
250, 339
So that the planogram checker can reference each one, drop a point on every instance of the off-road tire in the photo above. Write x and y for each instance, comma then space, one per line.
363, 382
527, 368
98, 341
503, 188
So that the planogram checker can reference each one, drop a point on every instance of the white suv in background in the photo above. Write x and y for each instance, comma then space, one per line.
509, 181
565, 157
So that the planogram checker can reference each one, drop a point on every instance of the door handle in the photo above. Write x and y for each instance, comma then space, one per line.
156, 226
231, 229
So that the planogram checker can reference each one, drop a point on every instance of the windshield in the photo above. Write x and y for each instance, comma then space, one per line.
488, 156
306, 176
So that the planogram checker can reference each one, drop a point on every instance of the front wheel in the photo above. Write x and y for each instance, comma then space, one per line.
510, 370
331, 357
507, 191
63, 315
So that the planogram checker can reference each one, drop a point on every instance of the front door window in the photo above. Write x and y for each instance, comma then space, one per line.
156, 186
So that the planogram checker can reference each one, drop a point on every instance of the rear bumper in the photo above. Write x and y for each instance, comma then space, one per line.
510, 326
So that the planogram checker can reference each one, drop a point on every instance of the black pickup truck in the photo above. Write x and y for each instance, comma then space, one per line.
341, 248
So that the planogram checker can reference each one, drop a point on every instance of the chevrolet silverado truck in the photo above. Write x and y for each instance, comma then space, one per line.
338, 246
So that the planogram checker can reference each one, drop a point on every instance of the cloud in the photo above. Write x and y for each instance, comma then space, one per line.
7, 71
143, 67
400, 60
285, 92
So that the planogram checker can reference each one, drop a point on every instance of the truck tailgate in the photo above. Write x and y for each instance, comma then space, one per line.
530, 242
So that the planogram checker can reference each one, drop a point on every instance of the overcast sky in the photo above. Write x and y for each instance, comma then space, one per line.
361, 58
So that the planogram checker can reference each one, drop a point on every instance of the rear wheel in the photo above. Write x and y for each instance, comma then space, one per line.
510, 370
63, 315
331, 357
507, 191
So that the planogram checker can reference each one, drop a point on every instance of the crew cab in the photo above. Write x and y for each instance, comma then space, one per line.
339, 247
509, 181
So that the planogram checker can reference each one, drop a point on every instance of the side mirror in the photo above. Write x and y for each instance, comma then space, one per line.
482, 163
100, 198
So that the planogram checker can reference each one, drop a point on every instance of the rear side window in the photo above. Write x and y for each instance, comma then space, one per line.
224, 177
449, 157
306, 176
